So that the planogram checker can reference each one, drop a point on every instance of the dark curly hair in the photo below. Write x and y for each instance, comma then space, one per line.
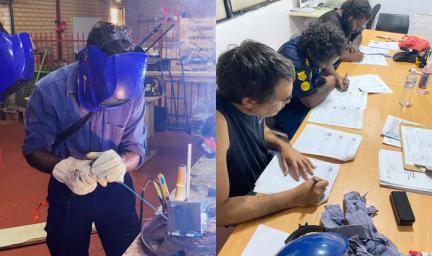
358, 9
251, 70
110, 38
323, 41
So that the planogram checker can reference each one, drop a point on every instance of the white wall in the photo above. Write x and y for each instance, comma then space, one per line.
270, 25
419, 26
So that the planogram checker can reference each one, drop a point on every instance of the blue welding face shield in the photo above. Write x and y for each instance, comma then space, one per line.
317, 244
109, 81
16, 62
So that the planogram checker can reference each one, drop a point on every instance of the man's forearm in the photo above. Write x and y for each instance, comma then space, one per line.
320, 94
272, 140
42, 160
357, 41
243, 208
131, 159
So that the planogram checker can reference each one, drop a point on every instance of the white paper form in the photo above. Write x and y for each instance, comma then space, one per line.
345, 116
272, 180
384, 45
392, 142
392, 174
391, 127
369, 83
373, 60
265, 241
417, 145
373, 50
349, 98
321, 141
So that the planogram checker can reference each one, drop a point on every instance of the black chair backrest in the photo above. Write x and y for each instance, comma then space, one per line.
397, 23
374, 12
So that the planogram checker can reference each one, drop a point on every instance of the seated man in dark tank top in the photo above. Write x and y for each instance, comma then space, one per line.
255, 82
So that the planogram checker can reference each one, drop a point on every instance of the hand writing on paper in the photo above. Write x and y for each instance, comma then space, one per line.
295, 164
311, 191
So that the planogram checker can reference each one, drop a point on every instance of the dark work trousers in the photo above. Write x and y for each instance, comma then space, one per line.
70, 218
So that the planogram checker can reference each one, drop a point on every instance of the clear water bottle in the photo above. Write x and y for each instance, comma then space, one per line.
425, 77
410, 82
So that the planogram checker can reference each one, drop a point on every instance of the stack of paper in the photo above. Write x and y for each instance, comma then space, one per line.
384, 45
373, 60
272, 180
265, 241
416, 146
317, 140
369, 83
341, 109
393, 175
373, 51
345, 116
391, 131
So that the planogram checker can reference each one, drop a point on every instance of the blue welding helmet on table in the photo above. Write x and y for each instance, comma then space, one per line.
313, 240
108, 81
16, 62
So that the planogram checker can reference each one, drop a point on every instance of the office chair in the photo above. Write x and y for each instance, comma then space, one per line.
374, 12
397, 23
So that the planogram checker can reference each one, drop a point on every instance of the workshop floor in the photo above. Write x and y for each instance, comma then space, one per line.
22, 188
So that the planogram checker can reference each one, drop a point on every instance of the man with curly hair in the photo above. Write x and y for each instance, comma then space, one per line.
313, 53
350, 18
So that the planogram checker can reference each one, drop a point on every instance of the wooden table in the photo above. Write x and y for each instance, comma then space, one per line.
362, 174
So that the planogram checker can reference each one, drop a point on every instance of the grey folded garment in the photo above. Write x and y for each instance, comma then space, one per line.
357, 224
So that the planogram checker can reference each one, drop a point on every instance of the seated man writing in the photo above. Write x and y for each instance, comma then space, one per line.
313, 53
255, 82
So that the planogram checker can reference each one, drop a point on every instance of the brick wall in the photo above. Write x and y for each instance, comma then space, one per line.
4, 17
38, 16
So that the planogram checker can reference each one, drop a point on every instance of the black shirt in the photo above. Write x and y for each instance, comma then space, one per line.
334, 18
306, 83
247, 155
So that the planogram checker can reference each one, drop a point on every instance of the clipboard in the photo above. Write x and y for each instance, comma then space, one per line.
406, 166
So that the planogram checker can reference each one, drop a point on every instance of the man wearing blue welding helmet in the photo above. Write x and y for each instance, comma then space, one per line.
85, 125
16, 62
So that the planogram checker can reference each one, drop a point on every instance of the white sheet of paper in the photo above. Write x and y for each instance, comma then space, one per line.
349, 98
392, 174
373, 60
391, 127
373, 50
345, 116
265, 241
391, 142
321, 141
384, 45
272, 180
369, 83
417, 145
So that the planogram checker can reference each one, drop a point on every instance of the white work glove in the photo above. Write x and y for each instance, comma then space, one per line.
107, 167
76, 175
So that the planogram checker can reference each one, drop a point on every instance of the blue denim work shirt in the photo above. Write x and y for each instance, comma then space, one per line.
53, 107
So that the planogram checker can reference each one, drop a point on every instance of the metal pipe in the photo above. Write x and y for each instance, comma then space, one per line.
59, 43
11, 16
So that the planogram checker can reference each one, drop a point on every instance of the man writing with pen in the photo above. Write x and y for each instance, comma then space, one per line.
313, 53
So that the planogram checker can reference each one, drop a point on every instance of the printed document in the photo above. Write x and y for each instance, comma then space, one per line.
265, 241
392, 174
321, 141
272, 180
417, 145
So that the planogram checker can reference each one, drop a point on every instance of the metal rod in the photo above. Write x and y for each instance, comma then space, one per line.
145, 201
